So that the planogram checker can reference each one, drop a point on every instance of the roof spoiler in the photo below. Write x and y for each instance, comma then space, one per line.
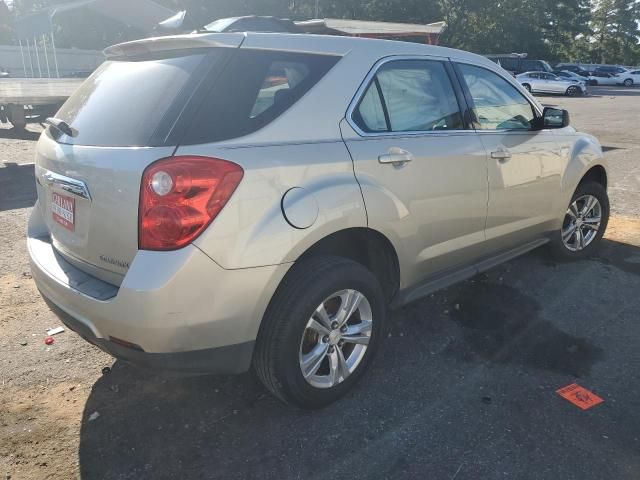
174, 42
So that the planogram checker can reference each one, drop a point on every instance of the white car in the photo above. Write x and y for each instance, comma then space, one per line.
544, 82
628, 78
602, 78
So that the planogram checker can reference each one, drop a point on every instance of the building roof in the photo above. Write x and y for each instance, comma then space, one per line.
367, 28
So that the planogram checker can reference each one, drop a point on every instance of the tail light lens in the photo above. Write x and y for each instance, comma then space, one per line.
180, 196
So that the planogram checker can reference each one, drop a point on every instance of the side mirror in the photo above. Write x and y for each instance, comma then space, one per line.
551, 118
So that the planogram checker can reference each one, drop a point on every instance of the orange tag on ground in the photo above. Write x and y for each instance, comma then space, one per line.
579, 396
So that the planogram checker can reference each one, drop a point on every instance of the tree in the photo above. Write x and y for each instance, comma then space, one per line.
616, 31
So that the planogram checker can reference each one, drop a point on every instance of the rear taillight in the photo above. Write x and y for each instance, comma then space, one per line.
180, 196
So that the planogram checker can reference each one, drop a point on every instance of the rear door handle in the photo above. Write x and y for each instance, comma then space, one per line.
501, 154
396, 157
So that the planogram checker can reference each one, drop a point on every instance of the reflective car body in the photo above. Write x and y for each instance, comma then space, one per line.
428, 153
544, 82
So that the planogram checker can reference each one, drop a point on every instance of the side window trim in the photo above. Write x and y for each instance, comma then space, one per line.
372, 77
467, 95
383, 103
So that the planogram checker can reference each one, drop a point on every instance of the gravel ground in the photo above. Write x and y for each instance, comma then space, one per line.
463, 388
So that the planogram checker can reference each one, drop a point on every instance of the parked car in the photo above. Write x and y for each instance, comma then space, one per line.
543, 82
518, 63
574, 77
253, 23
628, 78
614, 69
4, 73
581, 70
602, 78
279, 206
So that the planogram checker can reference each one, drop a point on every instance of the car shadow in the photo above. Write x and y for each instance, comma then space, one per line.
19, 134
17, 186
505, 323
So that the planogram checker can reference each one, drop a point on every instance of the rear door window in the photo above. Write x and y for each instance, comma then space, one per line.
124, 103
255, 88
409, 96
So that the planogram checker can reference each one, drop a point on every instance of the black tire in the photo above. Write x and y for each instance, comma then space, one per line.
594, 83
527, 87
628, 82
306, 286
558, 248
572, 91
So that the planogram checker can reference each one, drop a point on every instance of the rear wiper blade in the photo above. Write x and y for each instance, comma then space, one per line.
61, 126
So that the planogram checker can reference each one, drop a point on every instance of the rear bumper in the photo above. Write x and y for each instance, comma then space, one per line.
222, 360
181, 310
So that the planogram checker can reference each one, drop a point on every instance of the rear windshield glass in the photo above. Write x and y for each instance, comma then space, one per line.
123, 102
254, 89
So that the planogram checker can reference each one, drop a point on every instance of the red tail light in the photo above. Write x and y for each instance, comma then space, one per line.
180, 197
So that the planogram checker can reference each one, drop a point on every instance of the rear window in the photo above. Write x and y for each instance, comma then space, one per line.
255, 88
123, 103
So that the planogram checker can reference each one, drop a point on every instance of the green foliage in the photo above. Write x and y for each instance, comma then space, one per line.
601, 31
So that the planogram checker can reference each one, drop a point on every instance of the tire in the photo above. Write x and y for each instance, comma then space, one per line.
564, 251
594, 83
572, 91
284, 333
628, 82
527, 86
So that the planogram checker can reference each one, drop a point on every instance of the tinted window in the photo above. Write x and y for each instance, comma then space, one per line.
498, 105
255, 88
418, 96
508, 63
123, 103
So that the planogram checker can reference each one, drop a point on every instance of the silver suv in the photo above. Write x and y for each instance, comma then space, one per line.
212, 202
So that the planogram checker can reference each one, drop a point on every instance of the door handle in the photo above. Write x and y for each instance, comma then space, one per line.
502, 154
396, 156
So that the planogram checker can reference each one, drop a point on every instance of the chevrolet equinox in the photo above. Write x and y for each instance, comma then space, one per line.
213, 202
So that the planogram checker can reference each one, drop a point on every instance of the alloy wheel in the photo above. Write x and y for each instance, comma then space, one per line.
572, 91
335, 339
581, 223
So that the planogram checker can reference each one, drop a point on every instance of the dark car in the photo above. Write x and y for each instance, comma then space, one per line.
572, 68
575, 76
517, 64
253, 23
610, 69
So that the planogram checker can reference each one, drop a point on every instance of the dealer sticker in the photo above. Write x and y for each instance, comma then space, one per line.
63, 210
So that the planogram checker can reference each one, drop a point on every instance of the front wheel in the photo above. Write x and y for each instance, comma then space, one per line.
320, 332
527, 86
584, 223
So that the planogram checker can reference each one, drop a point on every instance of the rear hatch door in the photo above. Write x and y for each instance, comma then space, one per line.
121, 120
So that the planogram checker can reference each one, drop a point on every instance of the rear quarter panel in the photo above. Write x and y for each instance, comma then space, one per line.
252, 230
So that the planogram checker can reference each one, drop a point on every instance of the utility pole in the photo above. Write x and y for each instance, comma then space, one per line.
317, 8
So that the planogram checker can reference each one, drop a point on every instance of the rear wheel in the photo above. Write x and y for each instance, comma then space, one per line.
527, 86
584, 223
320, 331
572, 91
628, 82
